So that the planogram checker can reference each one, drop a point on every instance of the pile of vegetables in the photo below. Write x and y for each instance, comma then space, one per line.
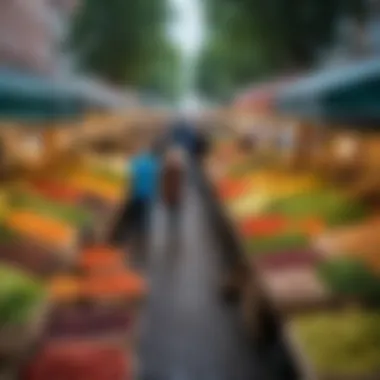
20, 295
101, 259
72, 214
332, 207
351, 278
79, 361
103, 277
42, 229
57, 191
84, 321
345, 343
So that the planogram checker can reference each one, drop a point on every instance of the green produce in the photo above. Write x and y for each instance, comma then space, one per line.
341, 343
331, 206
19, 295
67, 213
108, 175
351, 278
281, 242
7, 235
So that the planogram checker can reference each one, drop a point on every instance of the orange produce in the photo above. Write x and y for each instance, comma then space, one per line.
312, 226
264, 225
125, 285
101, 258
97, 187
232, 188
64, 288
41, 228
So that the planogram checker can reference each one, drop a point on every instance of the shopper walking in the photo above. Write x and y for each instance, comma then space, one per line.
172, 182
144, 172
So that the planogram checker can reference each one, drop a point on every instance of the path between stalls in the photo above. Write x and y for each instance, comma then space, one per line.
187, 332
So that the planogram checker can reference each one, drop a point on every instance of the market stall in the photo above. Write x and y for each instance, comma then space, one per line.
310, 238
62, 284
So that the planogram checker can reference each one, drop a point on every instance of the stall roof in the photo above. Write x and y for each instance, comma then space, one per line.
28, 96
261, 96
351, 92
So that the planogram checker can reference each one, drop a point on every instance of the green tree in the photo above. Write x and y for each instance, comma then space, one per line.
121, 41
251, 39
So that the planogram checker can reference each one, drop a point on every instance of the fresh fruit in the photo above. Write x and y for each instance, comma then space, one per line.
345, 343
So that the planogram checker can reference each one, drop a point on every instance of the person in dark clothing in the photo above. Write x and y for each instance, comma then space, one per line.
183, 134
172, 180
144, 172
202, 146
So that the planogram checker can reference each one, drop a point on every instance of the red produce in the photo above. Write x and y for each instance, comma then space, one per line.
57, 191
287, 259
264, 225
79, 361
82, 321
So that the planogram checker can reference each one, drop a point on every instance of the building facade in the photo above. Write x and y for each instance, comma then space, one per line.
32, 31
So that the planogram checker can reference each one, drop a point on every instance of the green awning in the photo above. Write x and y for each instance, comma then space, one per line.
348, 94
30, 97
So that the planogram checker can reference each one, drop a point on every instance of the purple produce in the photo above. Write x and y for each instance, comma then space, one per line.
84, 321
288, 259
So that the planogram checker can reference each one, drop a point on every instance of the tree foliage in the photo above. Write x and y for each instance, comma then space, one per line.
250, 39
122, 41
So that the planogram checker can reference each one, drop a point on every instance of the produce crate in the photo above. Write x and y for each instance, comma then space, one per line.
15, 339
115, 324
80, 359
340, 370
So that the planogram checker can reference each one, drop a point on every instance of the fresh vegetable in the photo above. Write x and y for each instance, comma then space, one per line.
68, 213
77, 360
330, 206
42, 229
56, 191
231, 188
64, 288
125, 285
19, 295
277, 243
263, 225
28, 256
82, 321
288, 259
351, 278
101, 258
296, 286
345, 343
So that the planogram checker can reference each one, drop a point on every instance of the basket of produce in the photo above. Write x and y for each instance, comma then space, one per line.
288, 240
101, 259
121, 287
333, 208
295, 289
352, 279
94, 322
79, 360
53, 234
56, 191
23, 307
30, 257
64, 289
340, 345
71, 214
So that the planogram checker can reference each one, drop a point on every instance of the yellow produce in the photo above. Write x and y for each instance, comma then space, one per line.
97, 187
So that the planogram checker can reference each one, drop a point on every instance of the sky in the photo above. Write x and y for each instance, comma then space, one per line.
187, 29
187, 32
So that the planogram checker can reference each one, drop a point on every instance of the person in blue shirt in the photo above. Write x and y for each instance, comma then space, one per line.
144, 184
144, 176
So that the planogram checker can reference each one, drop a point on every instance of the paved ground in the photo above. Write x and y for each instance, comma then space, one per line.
187, 331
